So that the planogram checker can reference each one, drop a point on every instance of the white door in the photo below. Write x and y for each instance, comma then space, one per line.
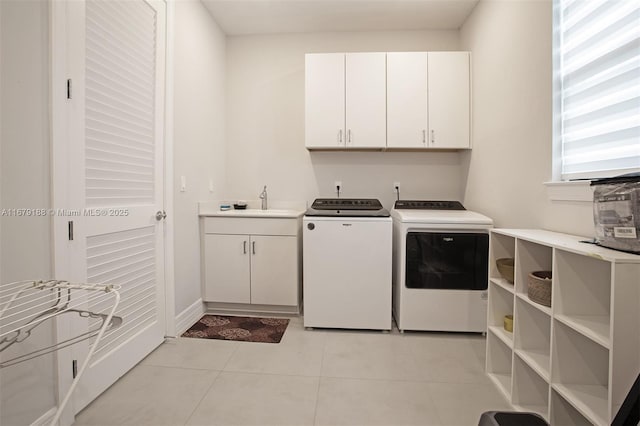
227, 270
116, 63
449, 99
366, 109
324, 100
407, 100
274, 270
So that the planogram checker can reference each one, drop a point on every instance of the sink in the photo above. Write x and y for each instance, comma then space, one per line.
271, 211
259, 213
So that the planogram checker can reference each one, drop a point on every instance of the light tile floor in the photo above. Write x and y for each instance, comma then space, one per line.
317, 377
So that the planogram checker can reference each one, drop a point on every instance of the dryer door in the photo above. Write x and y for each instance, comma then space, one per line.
449, 260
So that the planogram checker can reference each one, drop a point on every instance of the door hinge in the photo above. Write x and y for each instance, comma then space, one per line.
68, 88
70, 230
74, 368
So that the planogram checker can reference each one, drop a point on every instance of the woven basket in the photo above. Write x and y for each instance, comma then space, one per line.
539, 287
505, 267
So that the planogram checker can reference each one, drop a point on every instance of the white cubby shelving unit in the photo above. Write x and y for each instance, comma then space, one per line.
575, 362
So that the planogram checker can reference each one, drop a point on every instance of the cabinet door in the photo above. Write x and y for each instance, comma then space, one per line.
274, 270
449, 113
366, 100
226, 267
324, 100
407, 100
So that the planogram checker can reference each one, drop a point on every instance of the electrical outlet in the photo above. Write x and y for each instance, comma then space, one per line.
396, 186
337, 185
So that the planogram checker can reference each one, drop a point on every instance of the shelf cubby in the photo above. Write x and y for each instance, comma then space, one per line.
581, 372
563, 413
583, 352
536, 305
500, 304
533, 328
530, 257
501, 282
625, 348
499, 363
530, 390
501, 246
582, 295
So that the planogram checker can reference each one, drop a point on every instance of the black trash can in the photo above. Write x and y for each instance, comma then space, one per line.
511, 418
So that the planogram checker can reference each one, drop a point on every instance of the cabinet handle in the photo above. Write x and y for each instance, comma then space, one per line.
349, 136
244, 246
253, 247
424, 137
340, 137
433, 136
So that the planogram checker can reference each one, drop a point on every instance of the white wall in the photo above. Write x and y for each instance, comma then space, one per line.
511, 47
199, 136
263, 142
26, 390
265, 124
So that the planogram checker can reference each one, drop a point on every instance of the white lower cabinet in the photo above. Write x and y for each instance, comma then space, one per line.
252, 269
227, 268
575, 362
274, 266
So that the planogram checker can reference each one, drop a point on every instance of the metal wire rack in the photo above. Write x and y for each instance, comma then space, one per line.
25, 305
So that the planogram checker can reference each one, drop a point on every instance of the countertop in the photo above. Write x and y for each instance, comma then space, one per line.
285, 209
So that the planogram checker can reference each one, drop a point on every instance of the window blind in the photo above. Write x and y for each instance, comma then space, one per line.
599, 68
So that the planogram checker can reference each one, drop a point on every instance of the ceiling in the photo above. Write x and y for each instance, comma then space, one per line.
243, 17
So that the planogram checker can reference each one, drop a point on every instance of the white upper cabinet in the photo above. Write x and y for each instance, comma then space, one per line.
428, 100
398, 100
366, 122
324, 100
448, 99
407, 100
345, 100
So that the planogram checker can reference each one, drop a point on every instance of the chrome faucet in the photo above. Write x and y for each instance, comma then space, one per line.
263, 197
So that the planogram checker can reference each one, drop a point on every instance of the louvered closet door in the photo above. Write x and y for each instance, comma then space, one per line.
118, 62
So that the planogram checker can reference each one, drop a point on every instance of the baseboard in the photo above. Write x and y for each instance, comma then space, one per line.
219, 308
188, 317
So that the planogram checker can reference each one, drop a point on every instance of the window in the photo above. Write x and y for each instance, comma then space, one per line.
597, 87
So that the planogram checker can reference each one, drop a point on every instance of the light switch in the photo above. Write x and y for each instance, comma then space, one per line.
183, 183
211, 185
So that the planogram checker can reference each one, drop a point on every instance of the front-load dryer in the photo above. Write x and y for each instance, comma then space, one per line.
440, 266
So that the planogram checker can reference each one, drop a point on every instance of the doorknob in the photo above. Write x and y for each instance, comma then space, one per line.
161, 214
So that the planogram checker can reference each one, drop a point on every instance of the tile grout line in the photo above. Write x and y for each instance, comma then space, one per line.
325, 355
204, 395
212, 383
324, 349
382, 379
237, 345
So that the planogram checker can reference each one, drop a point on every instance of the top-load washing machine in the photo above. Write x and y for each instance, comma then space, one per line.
347, 245
440, 266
